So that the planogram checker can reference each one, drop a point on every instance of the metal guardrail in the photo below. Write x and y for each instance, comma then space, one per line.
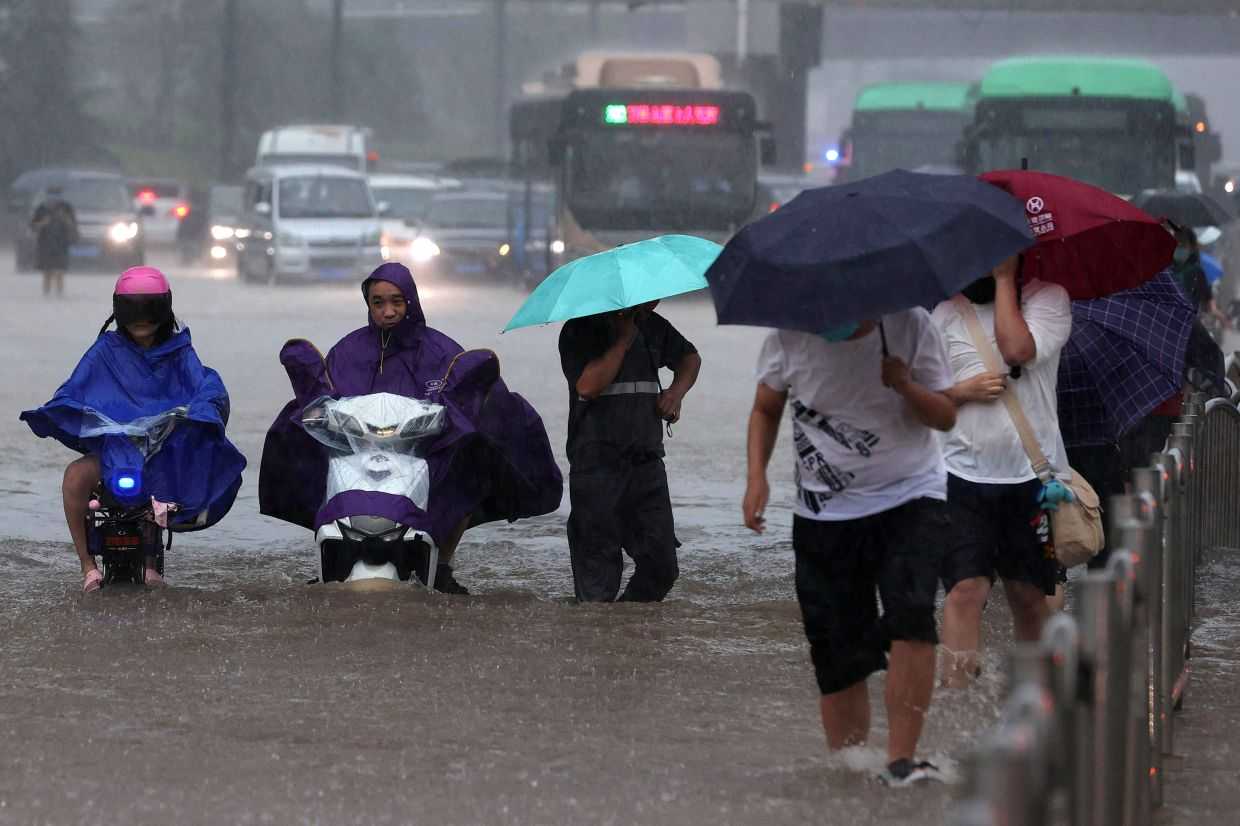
1090, 708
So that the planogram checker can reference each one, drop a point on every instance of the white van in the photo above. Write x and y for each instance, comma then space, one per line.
334, 144
306, 222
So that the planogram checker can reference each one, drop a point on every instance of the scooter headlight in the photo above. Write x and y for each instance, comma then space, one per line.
126, 484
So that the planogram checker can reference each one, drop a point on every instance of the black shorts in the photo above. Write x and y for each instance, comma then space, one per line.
839, 566
998, 529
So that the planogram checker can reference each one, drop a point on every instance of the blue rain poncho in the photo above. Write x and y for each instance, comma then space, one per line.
117, 384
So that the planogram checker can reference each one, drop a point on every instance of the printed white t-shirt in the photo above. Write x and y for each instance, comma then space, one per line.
859, 448
984, 446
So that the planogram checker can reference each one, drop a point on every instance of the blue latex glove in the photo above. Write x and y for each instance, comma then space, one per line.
1054, 492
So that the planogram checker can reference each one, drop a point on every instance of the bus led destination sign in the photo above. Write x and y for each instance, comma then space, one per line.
660, 114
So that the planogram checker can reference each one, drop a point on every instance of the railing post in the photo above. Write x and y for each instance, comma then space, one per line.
1152, 483
1029, 709
1181, 441
1061, 644
1126, 732
1100, 746
1184, 434
1132, 528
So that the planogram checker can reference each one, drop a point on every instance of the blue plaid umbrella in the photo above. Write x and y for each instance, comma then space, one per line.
1124, 358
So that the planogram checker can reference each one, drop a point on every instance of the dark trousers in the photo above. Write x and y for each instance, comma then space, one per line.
625, 506
1103, 467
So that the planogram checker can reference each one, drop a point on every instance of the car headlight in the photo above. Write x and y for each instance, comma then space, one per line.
222, 233
288, 239
504, 249
242, 233
122, 232
423, 249
557, 247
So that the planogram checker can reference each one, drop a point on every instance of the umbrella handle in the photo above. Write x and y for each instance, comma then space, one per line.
882, 332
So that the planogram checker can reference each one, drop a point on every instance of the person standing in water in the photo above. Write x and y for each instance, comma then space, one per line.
55, 227
617, 409
869, 516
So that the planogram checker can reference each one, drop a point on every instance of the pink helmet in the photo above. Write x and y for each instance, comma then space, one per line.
142, 281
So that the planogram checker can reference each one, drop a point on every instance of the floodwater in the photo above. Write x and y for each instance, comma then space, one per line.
241, 694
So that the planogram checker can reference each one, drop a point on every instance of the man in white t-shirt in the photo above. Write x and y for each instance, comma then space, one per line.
870, 513
998, 525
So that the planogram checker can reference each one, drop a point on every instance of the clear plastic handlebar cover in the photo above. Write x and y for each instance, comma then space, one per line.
374, 440
148, 433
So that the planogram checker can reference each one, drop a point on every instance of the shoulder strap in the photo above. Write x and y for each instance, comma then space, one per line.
981, 342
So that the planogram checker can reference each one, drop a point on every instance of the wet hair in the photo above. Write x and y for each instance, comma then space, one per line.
163, 332
981, 291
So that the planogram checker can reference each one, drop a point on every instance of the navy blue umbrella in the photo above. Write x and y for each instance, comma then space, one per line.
1125, 357
854, 252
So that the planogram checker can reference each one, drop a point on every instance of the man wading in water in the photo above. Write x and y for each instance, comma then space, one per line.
869, 514
617, 483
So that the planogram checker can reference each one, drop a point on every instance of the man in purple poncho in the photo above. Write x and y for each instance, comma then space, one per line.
492, 461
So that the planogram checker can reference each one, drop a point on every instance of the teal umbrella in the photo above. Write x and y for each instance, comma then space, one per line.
619, 278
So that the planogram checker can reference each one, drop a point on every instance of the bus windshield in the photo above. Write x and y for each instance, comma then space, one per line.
674, 179
1119, 162
877, 150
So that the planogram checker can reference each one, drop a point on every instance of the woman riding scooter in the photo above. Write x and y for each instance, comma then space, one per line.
143, 370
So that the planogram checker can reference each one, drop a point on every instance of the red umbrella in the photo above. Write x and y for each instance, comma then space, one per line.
1088, 240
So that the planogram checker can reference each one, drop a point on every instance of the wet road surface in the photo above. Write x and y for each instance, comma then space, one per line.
242, 695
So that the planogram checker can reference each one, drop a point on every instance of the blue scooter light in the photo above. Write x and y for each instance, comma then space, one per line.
126, 484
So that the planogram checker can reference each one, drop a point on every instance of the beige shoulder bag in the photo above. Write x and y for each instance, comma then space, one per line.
1076, 526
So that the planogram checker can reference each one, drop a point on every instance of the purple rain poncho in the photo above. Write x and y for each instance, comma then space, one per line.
492, 461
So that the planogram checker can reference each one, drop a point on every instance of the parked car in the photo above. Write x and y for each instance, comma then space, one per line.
307, 222
110, 235
169, 204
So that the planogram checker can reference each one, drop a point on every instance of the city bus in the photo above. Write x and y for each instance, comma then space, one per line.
1200, 146
664, 153
904, 125
1111, 122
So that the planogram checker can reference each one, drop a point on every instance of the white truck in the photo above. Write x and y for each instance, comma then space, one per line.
317, 144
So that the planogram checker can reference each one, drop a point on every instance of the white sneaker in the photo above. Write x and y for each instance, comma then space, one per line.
905, 772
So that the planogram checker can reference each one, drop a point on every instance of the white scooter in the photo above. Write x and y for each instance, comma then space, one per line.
374, 442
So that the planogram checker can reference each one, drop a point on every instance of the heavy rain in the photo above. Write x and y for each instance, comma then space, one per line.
257, 160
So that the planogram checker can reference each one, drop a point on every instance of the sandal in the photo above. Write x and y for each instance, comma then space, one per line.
93, 581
